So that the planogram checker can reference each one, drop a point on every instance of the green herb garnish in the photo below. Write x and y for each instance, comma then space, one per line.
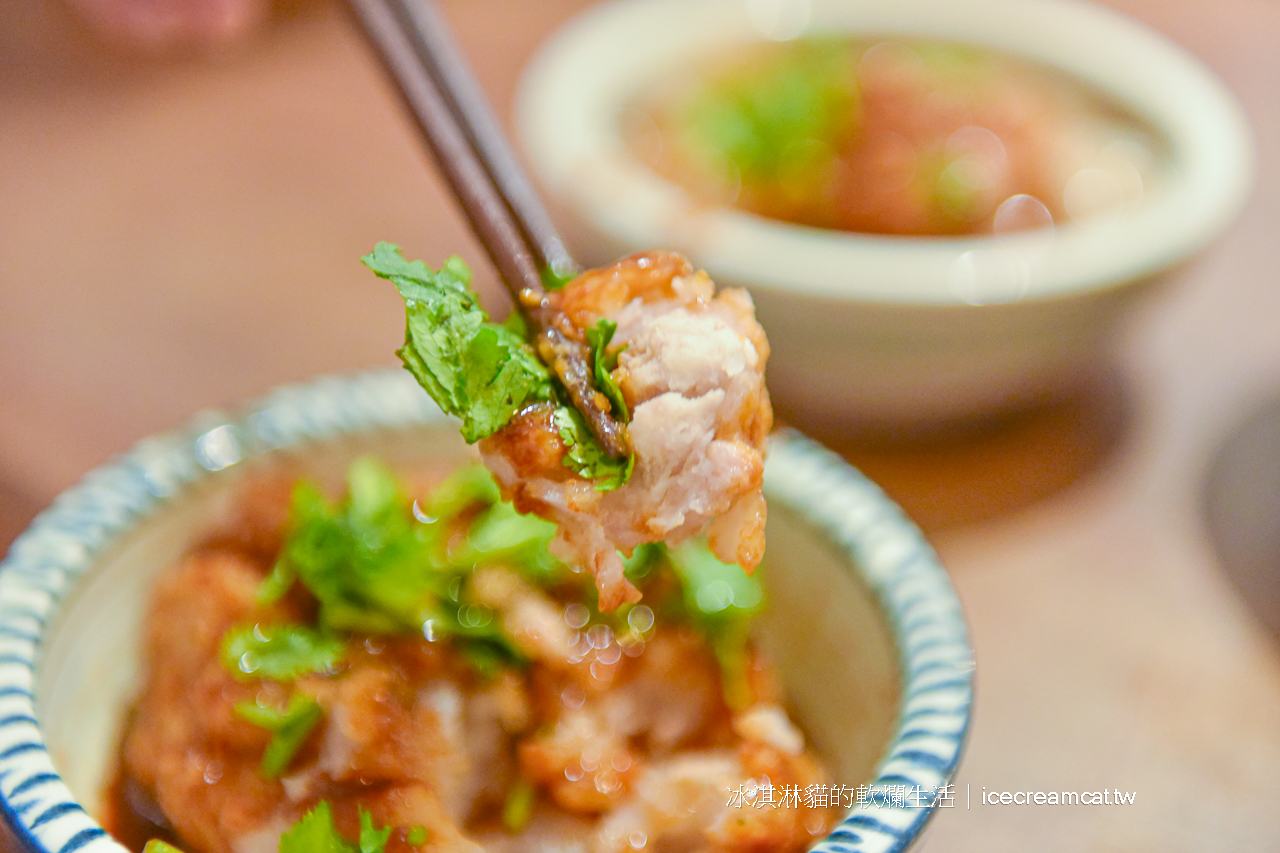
604, 362
367, 560
585, 457
499, 534
480, 371
517, 810
276, 584
289, 729
779, 120
315, 833
281, 652
465, 487
155, 845
376, 567
372, 840
721, 600
714, 592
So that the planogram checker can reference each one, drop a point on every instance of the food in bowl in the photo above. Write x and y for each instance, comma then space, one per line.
679, 364
894, 335
420, 673
893, 136
868, 636
407, 668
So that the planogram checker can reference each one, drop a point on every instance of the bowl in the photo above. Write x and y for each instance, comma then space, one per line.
893, 332
862, 619
1239, 501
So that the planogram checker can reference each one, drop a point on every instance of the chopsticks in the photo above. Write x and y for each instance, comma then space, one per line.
504, 211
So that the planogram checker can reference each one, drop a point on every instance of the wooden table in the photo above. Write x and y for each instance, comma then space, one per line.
183, 233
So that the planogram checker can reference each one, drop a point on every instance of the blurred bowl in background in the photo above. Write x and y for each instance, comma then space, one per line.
882, 332
1240, 501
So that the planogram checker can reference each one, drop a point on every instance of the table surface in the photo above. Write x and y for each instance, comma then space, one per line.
182, 233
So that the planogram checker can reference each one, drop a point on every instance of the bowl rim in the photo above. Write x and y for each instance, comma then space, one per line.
901, 570
576, 84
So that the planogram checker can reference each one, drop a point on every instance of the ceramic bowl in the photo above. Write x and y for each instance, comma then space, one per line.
892, 332
862, 619
1240, 496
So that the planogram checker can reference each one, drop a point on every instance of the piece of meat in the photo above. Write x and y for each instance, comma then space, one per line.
692, 373
675, 805
686, 803
396, 721
186, 732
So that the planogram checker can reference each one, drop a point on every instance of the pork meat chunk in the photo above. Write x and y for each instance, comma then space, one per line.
691, 370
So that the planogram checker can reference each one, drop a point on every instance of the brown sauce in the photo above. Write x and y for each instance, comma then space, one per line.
131, 814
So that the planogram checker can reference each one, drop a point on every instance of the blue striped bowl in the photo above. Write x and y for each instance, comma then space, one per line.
862, 620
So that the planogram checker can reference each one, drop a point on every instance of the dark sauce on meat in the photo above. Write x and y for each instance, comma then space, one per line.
130, 811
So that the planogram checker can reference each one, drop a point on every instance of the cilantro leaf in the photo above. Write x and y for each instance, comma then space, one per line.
484, 372
155, 845
466, 486
282, 652
315, 833
376, 566
779, 121
368, 561
644, 561
517, 809
584, 456
479, 371
489, 656
289, 729
603, 363
714, 591
501, 534
721, 599
372, 840
275, 584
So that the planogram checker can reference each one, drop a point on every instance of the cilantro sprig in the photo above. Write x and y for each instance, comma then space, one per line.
603, 362
376, 566
484, 372
371, 565
155, 845
289, 729
474, 369
375, 562
281, 652
315, 832
721, 600
778, 122
584, 455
